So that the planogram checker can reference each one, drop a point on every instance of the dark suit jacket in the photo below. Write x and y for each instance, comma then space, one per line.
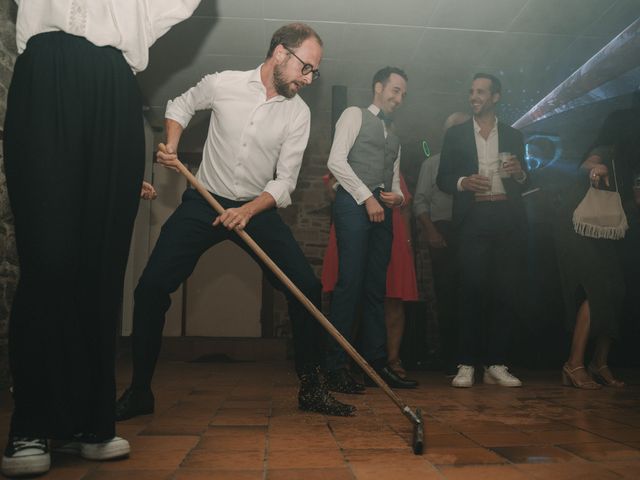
459, 158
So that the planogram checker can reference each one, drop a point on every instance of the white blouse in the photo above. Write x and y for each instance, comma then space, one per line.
131, 26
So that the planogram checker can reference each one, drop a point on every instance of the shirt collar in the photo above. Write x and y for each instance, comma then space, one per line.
476, 127
373, 109
255, 75
256, 79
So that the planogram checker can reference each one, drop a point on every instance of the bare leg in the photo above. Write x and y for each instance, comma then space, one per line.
599, 367
394, 319
579, 342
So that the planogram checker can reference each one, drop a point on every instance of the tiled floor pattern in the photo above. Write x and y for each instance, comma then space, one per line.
239, 421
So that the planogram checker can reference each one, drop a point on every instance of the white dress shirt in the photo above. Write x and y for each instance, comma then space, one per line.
347, 130
131, 26
254, 145
488, 162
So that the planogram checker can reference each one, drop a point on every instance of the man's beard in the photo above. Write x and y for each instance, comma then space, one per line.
282, 86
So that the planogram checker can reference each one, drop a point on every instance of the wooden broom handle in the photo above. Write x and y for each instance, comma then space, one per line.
328, 326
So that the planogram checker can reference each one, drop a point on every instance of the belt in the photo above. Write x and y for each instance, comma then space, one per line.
498, 197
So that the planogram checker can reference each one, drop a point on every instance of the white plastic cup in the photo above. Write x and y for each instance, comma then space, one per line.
503, 158
489, 173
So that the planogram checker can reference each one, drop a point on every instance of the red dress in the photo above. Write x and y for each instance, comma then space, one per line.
401, 274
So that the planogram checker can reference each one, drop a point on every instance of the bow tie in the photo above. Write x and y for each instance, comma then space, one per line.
384, 117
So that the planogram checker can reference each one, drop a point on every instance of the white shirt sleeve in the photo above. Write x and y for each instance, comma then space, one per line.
200, 97
290, 160
163, 14
347, 129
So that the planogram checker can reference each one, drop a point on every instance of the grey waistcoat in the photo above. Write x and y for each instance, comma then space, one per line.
372, 156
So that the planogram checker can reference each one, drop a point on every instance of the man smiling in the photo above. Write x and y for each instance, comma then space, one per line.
365, 160
489, 221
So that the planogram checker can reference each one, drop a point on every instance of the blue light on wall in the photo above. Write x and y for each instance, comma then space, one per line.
542, 150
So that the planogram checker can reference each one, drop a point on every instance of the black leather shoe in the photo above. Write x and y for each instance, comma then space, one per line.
391, 378
341, 381
313, 396
133, 403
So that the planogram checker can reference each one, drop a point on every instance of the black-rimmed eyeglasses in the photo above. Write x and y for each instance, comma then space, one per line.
307, 68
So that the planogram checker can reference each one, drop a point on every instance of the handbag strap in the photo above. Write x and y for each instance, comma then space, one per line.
613, 164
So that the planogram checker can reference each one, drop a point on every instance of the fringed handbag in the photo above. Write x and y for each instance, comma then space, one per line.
600, 213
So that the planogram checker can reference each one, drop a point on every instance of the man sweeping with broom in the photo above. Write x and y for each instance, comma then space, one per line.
257, 135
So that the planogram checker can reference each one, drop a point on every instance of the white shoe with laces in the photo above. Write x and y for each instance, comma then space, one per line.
114, 448
464, 378
499, 375
26, 456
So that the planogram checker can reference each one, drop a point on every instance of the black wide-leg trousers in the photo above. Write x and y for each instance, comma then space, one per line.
74, 160
184, 237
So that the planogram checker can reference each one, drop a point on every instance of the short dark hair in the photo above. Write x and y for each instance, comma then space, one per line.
292, 36
382, 76
496, 86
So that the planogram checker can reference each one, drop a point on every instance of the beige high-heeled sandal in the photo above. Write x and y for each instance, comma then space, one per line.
604, 376
569, 379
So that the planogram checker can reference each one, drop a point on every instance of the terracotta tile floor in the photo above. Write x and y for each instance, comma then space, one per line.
239, 421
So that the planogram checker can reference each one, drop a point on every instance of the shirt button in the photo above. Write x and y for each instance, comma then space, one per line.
244, 144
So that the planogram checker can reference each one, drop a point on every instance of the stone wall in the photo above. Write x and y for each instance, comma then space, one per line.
8, 257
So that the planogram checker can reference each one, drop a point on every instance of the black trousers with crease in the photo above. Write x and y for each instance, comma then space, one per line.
185, 236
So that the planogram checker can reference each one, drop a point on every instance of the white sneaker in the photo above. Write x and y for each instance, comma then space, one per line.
499, 374
26, 456
464, 377
115, 448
